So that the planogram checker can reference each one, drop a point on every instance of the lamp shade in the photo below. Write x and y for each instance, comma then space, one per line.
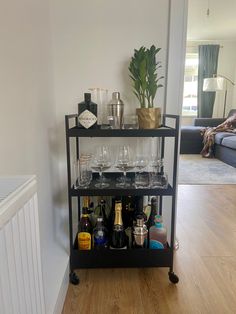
213, 84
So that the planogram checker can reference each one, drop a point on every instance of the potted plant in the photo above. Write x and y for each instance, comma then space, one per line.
143, 71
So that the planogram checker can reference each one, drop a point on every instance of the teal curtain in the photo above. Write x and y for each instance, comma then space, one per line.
208, 62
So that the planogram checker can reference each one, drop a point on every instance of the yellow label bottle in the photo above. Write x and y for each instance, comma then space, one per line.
84, 241
85, 228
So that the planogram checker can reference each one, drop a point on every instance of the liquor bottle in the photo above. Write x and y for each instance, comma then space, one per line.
92, 216
118, 236
87, 111
85, 228
153, 213
140, 233
158, 234
138, 209
128, 204
100, 235
128, 211
103, 210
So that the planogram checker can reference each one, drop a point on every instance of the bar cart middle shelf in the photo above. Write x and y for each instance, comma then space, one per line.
130, 257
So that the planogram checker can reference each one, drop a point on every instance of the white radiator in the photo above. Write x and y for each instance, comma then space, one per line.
21, 285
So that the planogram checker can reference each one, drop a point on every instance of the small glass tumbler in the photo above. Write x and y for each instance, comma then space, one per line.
83, 174
87, 158
158, 177
113, 122
130, 121
158, 180
142, 180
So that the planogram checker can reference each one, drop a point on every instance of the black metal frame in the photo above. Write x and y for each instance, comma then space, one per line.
130, 257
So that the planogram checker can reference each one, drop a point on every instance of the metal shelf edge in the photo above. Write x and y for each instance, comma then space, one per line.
116, 191
166, 132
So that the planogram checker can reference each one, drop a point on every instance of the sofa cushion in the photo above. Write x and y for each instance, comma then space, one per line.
191, 132
191, 140
229, 142
220, 136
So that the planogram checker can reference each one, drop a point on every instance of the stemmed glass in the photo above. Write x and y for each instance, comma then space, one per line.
101, 162
141, 177
124, 163
141, 162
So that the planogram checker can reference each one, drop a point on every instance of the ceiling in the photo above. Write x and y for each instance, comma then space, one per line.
220, 24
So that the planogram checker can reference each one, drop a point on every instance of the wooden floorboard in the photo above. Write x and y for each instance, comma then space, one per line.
205, 264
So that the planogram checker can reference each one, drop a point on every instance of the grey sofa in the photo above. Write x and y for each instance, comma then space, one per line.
225, 142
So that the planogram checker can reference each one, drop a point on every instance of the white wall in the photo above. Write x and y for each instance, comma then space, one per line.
93, 42
27, 121
227, 67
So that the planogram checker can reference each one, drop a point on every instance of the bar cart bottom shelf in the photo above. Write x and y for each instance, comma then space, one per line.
122, 258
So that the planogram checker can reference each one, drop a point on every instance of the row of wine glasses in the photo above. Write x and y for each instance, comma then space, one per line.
102, 161
124, 161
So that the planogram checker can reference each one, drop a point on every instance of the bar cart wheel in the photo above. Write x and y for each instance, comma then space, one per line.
74, 279
173, 277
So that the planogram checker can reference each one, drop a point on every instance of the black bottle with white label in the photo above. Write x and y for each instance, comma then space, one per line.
87, 111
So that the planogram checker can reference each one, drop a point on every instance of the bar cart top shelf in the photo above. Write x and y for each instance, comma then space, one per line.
164, 131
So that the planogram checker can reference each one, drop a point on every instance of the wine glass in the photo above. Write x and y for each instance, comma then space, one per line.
124, 163
141, 177
101, 162
141, 162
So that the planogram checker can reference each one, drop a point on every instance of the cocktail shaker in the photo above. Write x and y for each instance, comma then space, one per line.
116, 107
140, 233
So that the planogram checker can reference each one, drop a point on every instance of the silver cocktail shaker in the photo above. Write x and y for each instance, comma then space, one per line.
140, 233
116, 108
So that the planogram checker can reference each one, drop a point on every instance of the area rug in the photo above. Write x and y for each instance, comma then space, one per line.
193, 169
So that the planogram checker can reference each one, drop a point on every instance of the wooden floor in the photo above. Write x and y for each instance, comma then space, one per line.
205, 264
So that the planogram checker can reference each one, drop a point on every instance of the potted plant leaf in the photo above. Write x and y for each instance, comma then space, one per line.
143, 72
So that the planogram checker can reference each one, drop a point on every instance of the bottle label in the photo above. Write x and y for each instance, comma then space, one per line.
87, 119
84, 241
156, 245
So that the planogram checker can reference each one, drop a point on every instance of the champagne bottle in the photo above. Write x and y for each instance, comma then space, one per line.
118, 236
87, 111
85, 228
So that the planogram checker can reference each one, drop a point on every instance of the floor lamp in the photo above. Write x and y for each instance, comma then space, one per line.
217, 83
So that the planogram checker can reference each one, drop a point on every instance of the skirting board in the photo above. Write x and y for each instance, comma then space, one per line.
63, 291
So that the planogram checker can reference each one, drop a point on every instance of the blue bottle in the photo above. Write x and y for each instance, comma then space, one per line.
100, 235
158, 235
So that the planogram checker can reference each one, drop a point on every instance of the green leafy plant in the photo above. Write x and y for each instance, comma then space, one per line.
143, 71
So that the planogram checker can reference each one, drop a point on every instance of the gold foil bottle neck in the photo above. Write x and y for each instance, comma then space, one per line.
86, 201
118, 214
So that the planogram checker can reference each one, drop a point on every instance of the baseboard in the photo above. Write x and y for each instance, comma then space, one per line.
62, 293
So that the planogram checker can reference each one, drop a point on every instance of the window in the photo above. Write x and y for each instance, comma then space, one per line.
189, 107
